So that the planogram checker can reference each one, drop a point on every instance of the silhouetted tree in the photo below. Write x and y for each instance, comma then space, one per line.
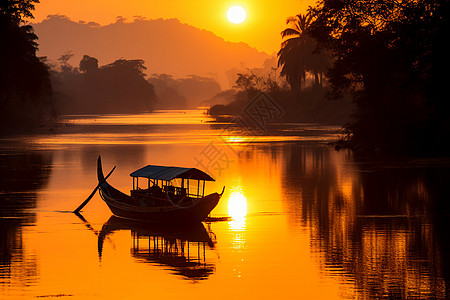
246, 82
25, 88
119, 87
64, 61
17, 10
390, 57
88, 64
299, 54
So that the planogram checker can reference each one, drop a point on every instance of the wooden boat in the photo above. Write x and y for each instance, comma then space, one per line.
162, 200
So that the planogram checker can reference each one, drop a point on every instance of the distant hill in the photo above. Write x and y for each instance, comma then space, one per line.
166, 45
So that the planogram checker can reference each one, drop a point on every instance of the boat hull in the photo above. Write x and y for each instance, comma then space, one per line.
162, 214
123, 206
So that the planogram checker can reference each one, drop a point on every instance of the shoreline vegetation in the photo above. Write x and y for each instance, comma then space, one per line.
380, 73
93, 89
26, 101
314, 107
390, 60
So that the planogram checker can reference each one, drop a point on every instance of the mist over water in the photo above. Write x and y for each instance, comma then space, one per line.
303, 220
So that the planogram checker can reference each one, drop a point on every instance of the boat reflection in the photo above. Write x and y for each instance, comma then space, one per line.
180, 249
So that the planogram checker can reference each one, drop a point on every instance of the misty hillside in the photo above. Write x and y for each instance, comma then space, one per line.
166, 46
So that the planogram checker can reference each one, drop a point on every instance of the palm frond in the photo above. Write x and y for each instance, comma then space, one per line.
291, 20
290, 32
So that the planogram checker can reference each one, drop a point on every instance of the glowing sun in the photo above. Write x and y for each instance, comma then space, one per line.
236, 14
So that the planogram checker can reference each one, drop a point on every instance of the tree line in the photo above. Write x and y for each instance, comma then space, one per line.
122, 87
25, 87
389, 57
32, 93
118, 87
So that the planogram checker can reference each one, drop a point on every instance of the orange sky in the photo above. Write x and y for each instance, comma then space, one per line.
265, 18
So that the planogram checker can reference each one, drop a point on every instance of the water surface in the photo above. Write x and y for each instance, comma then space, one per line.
299, 220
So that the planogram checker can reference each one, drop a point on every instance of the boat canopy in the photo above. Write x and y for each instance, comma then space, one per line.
169, 173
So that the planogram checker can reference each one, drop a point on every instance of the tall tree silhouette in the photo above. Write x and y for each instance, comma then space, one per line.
88, 64
390, 57
25, 89
17, 10
299, 53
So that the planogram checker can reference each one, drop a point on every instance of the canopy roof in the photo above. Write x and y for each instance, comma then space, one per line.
169, 173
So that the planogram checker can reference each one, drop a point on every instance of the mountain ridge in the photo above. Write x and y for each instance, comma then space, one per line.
166, 45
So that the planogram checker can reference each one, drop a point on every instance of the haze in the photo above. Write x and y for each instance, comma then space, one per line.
265, 19
166, 46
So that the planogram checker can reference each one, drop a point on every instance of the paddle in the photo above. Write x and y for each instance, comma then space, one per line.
77, 211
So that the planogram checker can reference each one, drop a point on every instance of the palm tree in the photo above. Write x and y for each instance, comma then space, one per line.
299, 54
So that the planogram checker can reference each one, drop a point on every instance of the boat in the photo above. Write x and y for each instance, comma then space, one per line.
172, 195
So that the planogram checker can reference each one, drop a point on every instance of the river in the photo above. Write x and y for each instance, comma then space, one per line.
298, 220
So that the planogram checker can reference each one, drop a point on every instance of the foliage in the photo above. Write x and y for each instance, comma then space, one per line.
252, 83
389, 56
25, 88
246, 82
119, 87
63, 61
88, 64
299, 54
17, 10
314, 107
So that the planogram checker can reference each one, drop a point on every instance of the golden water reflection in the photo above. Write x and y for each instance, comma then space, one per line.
164, 117
374, 226
237, 208
306, 221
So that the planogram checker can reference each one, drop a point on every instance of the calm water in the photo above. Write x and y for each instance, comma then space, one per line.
306, 222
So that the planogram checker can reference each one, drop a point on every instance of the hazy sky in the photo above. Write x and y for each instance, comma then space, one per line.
265, 19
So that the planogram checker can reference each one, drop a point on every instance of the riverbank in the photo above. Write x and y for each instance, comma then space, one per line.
278, 106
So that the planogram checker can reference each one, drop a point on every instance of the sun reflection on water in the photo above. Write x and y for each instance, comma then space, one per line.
237, 208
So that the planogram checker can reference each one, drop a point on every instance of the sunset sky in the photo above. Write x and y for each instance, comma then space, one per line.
261, 29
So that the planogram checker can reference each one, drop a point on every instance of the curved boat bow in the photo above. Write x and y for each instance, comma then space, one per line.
162, 202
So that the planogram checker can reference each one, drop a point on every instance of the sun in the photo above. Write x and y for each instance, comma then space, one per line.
236, 14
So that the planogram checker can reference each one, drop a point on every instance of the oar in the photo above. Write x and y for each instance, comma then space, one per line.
88, 225
76, 211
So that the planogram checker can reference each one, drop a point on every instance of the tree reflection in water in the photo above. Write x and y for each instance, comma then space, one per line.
21, 174
376, 226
